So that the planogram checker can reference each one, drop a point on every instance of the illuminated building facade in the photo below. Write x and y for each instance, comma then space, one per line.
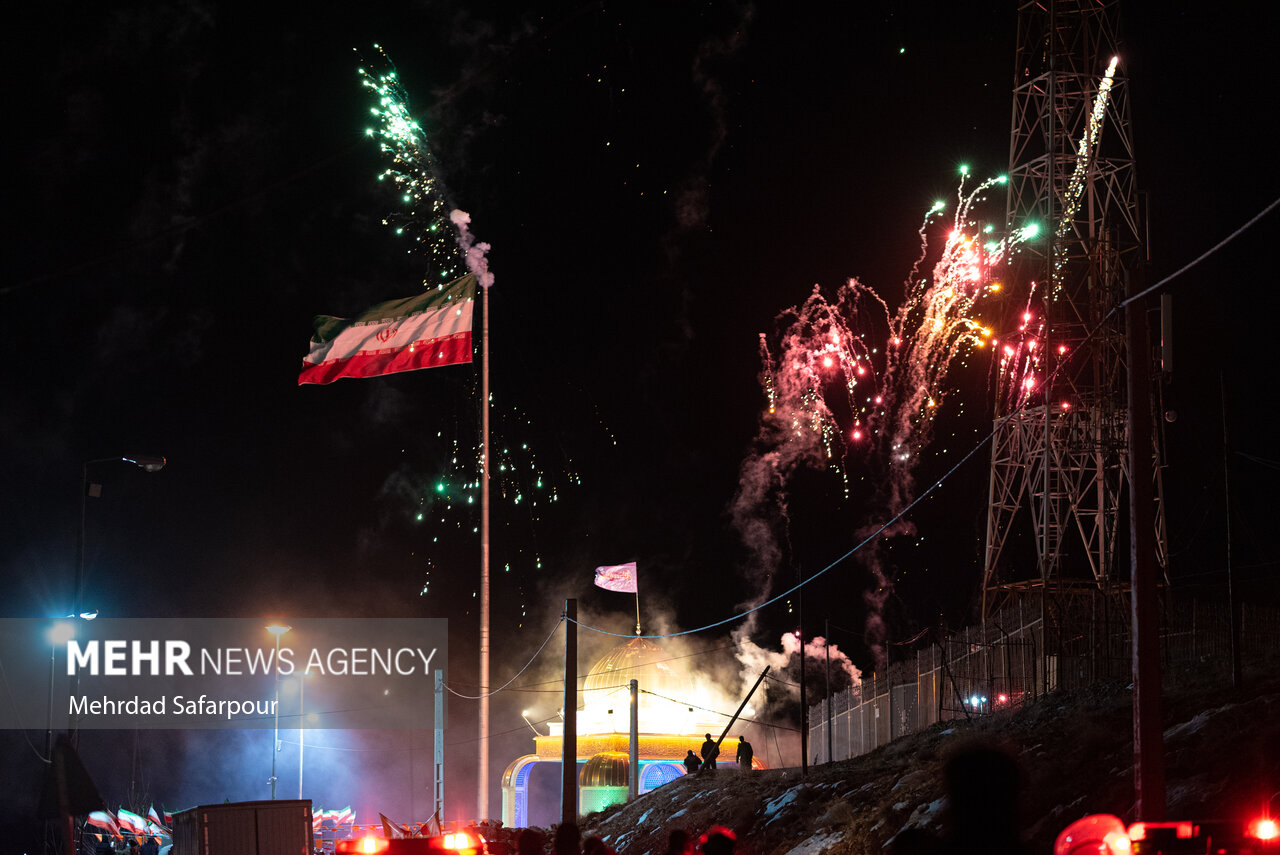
671, 724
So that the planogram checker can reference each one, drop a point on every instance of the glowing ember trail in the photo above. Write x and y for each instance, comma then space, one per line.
1084, 161
848, 373
424, 216
828, 366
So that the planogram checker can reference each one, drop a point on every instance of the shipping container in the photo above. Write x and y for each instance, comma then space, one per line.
244, 828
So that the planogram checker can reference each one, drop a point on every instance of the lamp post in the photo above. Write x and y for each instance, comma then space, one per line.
525, 715
302, 723
145, 462
276, 629
58, 635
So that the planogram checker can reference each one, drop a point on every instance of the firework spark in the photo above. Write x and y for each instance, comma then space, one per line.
439, 232
1079, 176
850, 373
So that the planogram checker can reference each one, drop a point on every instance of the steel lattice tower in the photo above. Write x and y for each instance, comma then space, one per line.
1059, 459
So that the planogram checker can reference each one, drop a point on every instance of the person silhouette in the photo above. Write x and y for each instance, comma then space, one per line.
709, 752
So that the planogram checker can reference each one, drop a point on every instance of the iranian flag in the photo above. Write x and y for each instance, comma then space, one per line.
104, 820
425, 331
131, 822
159, 818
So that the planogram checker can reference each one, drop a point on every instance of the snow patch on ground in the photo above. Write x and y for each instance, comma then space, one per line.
925, 814
816, 844
1189, 727
777, 804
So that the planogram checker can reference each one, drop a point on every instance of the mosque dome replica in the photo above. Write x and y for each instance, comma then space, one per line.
670, 724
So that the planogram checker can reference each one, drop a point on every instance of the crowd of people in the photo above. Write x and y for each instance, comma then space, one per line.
127, 845
710, 751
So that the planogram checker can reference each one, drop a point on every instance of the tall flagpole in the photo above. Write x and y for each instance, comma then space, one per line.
483, 804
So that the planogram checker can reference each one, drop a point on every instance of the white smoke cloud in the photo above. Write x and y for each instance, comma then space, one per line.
476, 253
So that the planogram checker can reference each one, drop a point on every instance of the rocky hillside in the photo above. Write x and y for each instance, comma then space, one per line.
1074, 753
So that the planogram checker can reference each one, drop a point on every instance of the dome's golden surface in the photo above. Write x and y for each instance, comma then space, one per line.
666, 691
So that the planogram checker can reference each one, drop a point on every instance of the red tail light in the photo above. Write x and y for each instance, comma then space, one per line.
1264, 829
362, 845
1181, 830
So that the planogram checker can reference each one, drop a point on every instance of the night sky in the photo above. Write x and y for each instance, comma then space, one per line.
190, 183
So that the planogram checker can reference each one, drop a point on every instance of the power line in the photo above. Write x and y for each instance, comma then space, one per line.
1213, 249
999, 423
536, 654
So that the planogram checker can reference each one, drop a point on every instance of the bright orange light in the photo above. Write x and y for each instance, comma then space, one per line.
1066, 405
1026, 317
1031, 345
1264, 829
460, 840
861, 371
827, 362
857, 434
372, 844
1186, 831
1117, 842
1062, 348
1138, 831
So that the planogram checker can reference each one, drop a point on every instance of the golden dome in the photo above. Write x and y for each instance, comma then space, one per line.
642, 660
609, 769
666, 691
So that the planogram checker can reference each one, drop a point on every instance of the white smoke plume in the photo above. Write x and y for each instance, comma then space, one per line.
476, 253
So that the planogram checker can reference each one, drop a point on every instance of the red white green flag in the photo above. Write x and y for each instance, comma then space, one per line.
130, 821
424, 331
104, 820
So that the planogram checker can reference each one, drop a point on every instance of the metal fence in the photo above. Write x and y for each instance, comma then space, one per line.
982, 670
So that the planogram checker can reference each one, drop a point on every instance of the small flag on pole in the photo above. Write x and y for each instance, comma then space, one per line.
617, 577
424, 331
131, 822
104, 820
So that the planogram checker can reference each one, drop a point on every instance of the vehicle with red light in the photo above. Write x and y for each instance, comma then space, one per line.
1103, 834
449, 843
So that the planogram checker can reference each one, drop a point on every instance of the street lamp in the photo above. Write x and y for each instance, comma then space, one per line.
276, 629
145, 462
302, 724
58, 635
525, 715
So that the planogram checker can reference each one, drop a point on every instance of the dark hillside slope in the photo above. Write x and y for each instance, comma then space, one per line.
1222, 753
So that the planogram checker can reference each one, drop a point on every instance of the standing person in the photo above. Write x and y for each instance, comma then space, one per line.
709, 752
744, 754
691, 762
150, 847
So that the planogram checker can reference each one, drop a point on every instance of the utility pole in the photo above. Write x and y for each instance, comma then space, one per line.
1148, 735
569, 745
633, 745
826, 649
437, 812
